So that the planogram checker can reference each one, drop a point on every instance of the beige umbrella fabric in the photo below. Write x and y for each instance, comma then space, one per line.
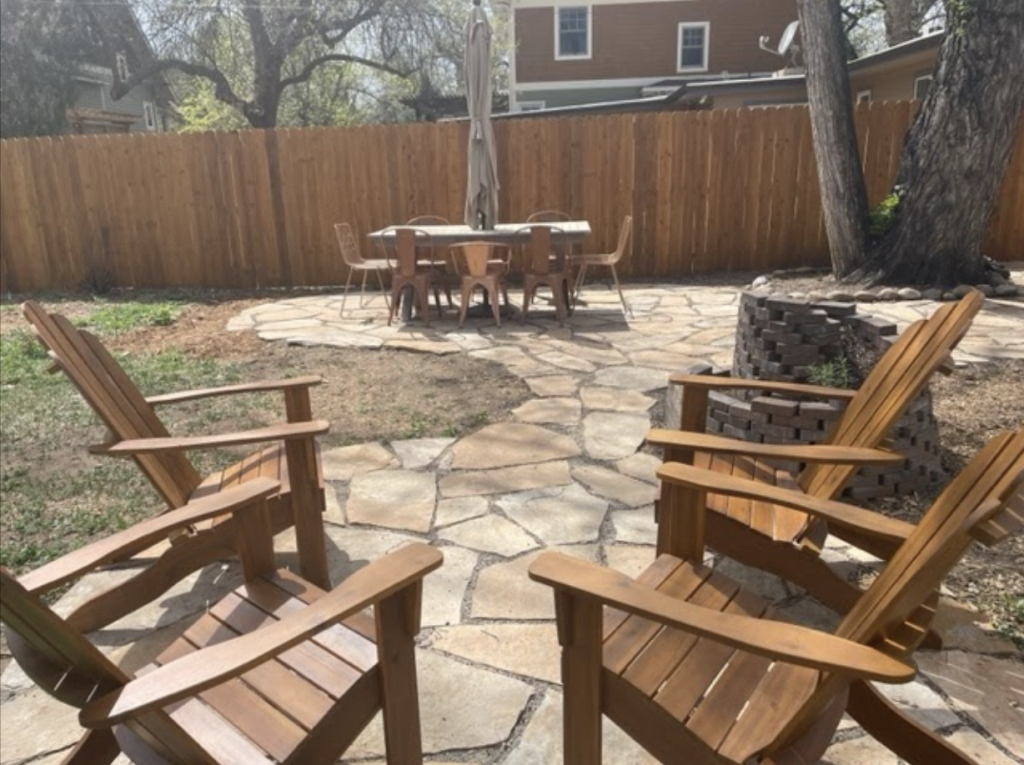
482, 174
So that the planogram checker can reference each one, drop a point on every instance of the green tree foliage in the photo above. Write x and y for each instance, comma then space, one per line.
40, 47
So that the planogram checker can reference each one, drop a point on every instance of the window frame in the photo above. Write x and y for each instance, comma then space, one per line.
149, 115
121, 67
917, 81
532, 106
705, 26
559, 56
863, 96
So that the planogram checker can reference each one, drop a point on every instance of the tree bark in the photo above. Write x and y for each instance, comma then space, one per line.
840, 177
956, 154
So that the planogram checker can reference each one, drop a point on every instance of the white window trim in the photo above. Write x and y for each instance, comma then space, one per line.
149, 115
706, 26
121, 62
863, 96
924, 78
590, 32
531, 106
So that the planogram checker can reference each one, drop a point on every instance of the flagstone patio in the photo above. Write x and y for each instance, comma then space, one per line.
567, 472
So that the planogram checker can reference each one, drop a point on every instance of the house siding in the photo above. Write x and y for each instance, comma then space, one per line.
640, 40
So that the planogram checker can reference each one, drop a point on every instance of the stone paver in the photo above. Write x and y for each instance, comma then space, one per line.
488, 655
405, 501
612, 435
508, 443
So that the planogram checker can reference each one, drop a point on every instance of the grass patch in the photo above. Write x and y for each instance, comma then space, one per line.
57, 497
114, 318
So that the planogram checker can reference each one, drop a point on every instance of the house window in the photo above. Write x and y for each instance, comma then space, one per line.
149, 114
864, 96
122, 67
572, 32
693, 47
532, 106
921, 86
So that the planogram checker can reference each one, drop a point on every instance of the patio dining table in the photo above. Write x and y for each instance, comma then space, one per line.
505, 233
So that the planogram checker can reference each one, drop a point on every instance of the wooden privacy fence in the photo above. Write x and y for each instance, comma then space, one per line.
715, 190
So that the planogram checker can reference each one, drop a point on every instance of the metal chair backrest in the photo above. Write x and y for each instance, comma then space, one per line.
624, 233
428, 220
543, 242
408, 242
349, 245
472, 258
549, 216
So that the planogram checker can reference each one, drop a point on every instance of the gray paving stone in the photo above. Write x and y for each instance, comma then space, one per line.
505, 480
630, 560
510, 443
920, 702
490, 533
397, 499
859, 751
445, 589
666, 360
342, 463
612, 435
642, 466
561, 411
330, 336
615, 486
35, 723
505, 591
417, 453
989, 689
572, 516
566, 361
530, 649
451, 511
334, 511
553, 385
615, 399
542, 740
435, 347
635, 526
980, 749
632, 378
462, 707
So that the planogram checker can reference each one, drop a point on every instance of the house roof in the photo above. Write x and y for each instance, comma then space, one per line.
864, 63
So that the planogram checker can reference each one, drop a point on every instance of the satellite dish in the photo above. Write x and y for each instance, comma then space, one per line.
786, 47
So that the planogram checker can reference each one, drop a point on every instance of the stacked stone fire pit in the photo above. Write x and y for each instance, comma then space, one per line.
781, 339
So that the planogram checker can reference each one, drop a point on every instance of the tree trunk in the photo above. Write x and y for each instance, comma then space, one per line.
840, 177
956, 154
903, 20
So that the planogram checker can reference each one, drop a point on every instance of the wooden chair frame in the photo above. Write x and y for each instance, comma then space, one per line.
408, 270
609, 260
444, 272
278, 672
135, 431
695, 668
785, 541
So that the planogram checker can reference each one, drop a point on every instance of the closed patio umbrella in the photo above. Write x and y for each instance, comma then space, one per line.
482, 174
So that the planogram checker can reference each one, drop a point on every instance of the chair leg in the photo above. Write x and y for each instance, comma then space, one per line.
496, 305
380, 281
467, 294
344, 295
905, 737
362, 289
579, 281
557, 294
527, 299
625, 305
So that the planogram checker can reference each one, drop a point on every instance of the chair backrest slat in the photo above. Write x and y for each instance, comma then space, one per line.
938, 541
115, 399
897, 378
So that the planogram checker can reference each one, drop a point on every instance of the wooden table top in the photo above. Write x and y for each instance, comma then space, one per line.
575, 231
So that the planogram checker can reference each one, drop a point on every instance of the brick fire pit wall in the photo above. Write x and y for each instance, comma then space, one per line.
780, 339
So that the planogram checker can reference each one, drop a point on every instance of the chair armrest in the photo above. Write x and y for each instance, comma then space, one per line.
144, 535
710, 382
704, 442
777, 640
879, 526
214, 664
228, 390
287, 432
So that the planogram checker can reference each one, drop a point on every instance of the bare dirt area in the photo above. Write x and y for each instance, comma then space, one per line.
366, 395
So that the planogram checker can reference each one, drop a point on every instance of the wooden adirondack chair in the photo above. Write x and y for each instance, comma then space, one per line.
135, 430
788, 541
696, 670
279, 671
